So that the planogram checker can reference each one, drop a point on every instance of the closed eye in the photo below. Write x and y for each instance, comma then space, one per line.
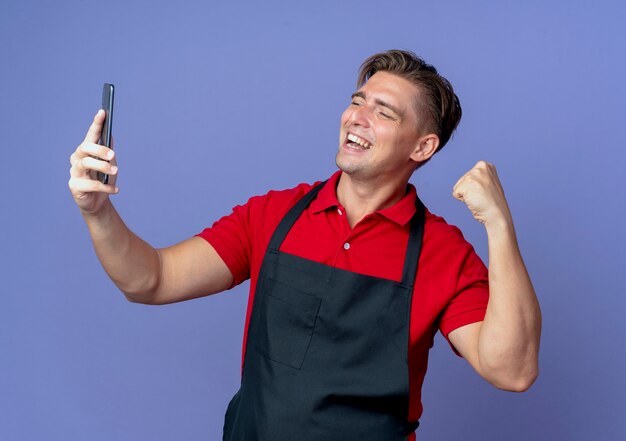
387, 116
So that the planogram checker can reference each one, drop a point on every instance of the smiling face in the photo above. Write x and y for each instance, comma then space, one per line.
379, 134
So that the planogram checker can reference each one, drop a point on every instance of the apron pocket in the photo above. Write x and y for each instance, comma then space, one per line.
285, 323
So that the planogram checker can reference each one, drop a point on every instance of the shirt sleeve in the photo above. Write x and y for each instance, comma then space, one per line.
230, 237
472, 295
241, 237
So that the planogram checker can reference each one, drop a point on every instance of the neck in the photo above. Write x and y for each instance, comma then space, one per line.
361, 197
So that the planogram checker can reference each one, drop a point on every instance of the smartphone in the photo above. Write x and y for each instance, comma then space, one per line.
108, 92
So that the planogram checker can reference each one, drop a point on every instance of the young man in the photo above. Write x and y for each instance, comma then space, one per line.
350, 278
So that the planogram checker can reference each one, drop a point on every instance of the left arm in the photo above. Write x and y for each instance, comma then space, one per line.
504, 348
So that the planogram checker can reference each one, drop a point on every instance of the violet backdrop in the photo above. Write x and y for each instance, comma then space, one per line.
219, 101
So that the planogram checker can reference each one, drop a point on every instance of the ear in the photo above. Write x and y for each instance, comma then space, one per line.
425, 147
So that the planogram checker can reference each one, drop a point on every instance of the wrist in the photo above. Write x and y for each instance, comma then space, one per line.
100, 216
499, 225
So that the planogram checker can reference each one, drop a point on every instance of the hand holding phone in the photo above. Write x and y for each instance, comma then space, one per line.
108, 92
90, 157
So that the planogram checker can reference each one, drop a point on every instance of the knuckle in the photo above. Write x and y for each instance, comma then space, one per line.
74, 185
77, 154
476, 173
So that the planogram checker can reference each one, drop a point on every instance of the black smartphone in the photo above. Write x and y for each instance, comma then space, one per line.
108, 92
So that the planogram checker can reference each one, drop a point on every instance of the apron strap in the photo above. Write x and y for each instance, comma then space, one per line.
291, 217
414, 247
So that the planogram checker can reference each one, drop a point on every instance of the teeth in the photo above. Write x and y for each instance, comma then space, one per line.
363, 143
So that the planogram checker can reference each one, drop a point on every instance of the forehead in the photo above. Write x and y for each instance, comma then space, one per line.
391, 86
393, 89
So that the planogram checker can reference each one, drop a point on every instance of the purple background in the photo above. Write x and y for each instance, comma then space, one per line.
217, 102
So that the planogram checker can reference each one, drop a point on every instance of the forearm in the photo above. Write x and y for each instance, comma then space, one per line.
133, 265
508, 345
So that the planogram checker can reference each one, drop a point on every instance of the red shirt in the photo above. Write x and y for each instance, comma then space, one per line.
451, 287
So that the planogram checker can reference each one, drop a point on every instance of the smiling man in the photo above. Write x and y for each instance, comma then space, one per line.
350, 278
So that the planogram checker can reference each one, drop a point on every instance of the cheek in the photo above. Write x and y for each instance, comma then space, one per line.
345, 116
386, 136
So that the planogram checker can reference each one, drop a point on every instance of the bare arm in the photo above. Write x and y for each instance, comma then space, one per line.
504, 348
144, 274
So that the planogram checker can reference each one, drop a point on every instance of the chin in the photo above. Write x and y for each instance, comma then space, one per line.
349, 169
346, 168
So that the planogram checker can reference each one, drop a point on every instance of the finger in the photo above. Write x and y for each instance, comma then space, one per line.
458, 194
95, 129
75, 158
83, 185
97, 150
458, 183
457, 187
457, 191
87, 165
78, 169
90, 163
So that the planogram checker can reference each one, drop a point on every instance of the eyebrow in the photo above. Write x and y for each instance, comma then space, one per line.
380, 102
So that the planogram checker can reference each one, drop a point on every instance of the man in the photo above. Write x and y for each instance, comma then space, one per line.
350, 278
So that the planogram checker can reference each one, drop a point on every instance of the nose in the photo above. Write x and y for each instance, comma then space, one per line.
359, 116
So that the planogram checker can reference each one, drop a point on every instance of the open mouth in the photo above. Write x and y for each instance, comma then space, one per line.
356, 142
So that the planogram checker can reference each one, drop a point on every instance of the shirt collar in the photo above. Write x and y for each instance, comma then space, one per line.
327, 197
401, 212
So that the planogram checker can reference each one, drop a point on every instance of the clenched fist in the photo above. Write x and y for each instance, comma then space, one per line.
89, 193
482, 192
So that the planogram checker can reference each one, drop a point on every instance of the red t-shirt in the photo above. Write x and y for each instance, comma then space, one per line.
451, 287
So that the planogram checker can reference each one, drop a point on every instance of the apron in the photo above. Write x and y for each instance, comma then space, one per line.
326, 353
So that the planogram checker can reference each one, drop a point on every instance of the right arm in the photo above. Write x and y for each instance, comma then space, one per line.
144, 274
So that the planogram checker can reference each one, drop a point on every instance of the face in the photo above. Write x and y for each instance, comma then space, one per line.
379, 129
